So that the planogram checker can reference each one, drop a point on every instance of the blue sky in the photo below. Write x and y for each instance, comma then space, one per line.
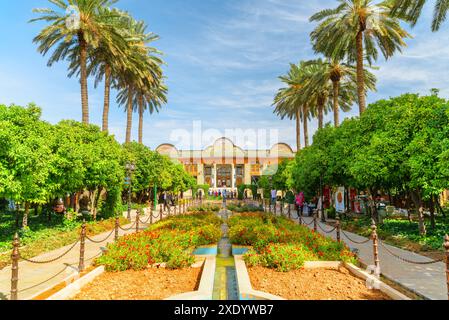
223, 59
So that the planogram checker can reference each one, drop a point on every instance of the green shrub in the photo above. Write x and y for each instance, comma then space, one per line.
281, 257
281, 244
171, 241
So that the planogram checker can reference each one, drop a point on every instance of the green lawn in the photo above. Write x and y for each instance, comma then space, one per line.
401, 232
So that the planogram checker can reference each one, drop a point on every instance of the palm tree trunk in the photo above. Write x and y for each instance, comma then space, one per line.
140, 119
83, 69
320, 116
336, 87
306, 125
129, 123
107, 93
298, 129
360, 73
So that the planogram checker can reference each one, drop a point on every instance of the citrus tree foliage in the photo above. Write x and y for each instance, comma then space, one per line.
153, 169
40, 162
25, 156
400, 144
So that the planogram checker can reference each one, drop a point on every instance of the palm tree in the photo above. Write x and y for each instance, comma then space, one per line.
287, 100
142, 71
411, 11
106, 60
93, 29
150, 100
342, 76
357, 30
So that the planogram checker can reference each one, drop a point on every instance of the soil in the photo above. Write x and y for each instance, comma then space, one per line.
313, 284
151, 284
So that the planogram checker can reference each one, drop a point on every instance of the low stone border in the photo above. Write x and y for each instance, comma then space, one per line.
74, 288
206, 288
389, 291
248, 293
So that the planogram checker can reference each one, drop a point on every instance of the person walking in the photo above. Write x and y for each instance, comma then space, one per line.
300, 203
273, 196
165, 197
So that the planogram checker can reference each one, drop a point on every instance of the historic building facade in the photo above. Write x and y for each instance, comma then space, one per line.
225, 165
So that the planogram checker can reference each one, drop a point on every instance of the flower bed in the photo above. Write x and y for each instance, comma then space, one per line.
280, 244
170, 242
313, 284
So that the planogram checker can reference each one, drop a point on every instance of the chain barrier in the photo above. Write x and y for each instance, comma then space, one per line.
307, 224
100, 241
155, 216
54, 259
130, 228
328, 232
146, 222
354, 241
409, 261
41, 283
96, 256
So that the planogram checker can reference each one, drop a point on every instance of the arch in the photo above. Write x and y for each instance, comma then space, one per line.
168, 150
282, 149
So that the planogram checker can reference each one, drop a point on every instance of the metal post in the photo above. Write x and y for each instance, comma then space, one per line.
338, 230
137, 220
129, 196
161, 214
446, 246
315, 222
151, 216
15, 256
81, 266
375, 245
289, 211
282, 208
117, 225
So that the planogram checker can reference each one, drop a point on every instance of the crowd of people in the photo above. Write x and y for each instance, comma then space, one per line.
223, 194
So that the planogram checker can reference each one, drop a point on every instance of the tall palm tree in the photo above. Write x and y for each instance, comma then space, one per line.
342, 76
357, 30
316, 93
411, 11
93, 29
150, 99
106, 60
142, 70
287, 100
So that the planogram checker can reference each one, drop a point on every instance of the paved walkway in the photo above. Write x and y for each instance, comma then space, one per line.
36, 278
428, 281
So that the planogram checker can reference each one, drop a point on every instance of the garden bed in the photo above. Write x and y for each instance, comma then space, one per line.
280, 244
150, 284
313, 284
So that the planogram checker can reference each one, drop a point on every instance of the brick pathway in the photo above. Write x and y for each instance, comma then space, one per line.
36, 278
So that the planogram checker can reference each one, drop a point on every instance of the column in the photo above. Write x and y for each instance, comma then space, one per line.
200, 174
215, 175
232, 176
247, 177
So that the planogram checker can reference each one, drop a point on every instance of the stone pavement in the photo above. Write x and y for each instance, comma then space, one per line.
427, 281
35, 278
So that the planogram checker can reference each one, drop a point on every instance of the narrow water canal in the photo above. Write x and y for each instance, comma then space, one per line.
225, 282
